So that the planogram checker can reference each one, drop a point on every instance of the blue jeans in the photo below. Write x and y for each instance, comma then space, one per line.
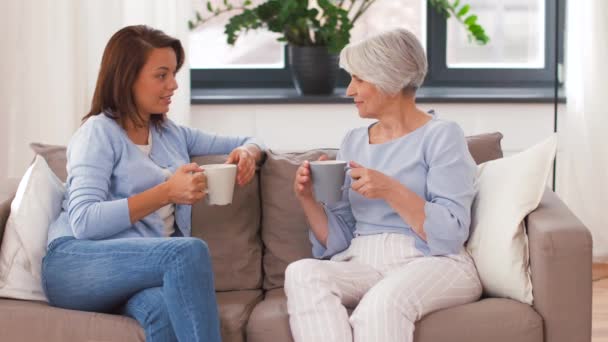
166, 284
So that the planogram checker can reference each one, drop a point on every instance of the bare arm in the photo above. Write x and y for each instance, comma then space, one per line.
409, 206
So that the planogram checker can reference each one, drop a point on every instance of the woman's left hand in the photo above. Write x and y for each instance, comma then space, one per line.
245, 163
370, 183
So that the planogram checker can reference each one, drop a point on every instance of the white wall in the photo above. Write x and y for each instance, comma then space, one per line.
306, 126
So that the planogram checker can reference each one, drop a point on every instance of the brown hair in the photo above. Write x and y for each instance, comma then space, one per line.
123, 58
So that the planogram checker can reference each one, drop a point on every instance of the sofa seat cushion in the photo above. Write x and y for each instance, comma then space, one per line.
269, 320
235, 308
37, 321
492, 319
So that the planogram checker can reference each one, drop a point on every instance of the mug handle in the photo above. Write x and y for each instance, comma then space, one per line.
346, 169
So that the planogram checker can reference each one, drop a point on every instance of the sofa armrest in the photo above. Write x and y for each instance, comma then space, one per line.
560, 261
8, 187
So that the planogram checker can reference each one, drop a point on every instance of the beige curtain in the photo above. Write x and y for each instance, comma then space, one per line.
582, 174
50, 59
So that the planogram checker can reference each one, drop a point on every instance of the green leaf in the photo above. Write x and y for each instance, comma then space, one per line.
225, 2
456, 3
209, 7
463, 11
475, 28
247, 3
470, 20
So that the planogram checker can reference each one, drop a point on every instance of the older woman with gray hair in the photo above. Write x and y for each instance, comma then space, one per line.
395, 242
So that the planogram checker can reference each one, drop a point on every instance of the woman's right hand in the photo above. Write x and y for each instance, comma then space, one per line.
302, 185
187, 185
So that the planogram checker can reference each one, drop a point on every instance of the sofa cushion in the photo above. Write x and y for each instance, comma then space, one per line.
284, 227
507, 191
235, 308
496, 320
232, 233
36, 321
485, 147
55, 156
8, 188
36, 205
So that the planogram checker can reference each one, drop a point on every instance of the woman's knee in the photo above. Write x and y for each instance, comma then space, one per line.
190, 250
381, 303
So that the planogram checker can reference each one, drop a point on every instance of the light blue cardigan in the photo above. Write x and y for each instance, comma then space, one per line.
105, 168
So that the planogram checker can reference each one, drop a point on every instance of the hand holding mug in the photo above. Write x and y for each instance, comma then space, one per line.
302, 185
370, 183
187, 185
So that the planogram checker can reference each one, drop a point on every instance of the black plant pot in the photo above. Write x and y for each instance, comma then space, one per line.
313, 69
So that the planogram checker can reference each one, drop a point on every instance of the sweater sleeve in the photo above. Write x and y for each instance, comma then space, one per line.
91, 158
341, 225
201, 143
450, 191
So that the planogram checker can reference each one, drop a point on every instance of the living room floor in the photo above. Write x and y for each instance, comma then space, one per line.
600, 303
600, 311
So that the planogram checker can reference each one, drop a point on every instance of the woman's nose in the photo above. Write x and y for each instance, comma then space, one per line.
351, 91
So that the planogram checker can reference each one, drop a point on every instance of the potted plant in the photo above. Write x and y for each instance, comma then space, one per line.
316, 34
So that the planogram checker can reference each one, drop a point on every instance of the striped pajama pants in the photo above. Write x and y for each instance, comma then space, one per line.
385, 279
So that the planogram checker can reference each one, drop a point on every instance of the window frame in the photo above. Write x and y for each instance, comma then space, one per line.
438, 74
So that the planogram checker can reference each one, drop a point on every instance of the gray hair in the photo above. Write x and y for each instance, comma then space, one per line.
393, 61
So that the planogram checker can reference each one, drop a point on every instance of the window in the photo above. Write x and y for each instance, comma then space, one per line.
517, 28
521, 51
253, 50
521, 48
257, 60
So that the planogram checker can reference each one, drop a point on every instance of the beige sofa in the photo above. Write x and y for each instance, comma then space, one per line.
255, 238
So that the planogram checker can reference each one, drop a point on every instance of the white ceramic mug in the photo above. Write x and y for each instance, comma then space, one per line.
220, 183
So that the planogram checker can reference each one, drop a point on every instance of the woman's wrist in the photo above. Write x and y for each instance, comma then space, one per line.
254, 150
396, 193
306, 200
164, 193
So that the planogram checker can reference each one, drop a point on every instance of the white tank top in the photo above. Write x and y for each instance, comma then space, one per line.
166, 213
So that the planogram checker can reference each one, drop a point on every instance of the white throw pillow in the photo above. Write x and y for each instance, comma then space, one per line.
508, 189
36, 205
